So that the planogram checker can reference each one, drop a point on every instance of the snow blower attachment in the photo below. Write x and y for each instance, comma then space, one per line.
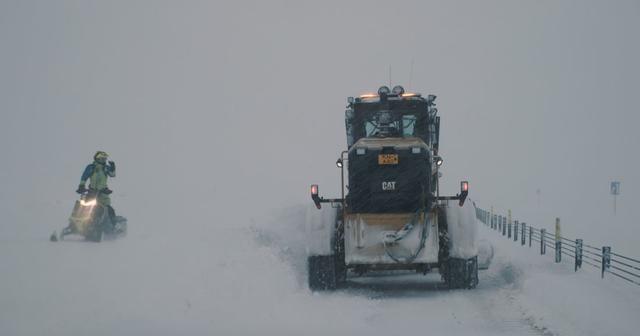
393, 217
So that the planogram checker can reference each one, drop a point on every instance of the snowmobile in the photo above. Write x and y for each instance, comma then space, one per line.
92, 220
393, 217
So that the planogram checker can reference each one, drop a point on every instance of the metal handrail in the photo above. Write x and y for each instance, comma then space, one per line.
592, 247
593, 259
599, 257
592, 253
623, 277
568, 254
623, 257
625, 264
567, 239
589, 263
625, 271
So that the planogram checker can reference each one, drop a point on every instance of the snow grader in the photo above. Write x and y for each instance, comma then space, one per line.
393, 216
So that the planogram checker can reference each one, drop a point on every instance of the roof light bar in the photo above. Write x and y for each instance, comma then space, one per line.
369, 95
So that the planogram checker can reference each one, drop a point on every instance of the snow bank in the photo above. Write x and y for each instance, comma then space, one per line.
251, 279
553, 299
296, 232
485, 254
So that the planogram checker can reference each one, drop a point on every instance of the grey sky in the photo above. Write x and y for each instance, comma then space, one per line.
236, 107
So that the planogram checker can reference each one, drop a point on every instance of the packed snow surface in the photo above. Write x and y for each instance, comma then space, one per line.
250, 279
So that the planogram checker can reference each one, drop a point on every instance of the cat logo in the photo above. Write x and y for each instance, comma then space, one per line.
391, 185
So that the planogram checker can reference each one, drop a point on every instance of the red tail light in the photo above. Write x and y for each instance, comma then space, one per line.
464, 191
314, 195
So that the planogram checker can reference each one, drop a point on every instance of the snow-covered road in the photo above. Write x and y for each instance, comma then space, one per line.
250, 280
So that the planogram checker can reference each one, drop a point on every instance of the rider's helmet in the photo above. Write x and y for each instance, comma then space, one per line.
101, 157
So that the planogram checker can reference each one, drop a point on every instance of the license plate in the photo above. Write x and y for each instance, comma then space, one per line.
388, 159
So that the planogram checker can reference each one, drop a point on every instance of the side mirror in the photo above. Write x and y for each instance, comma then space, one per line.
464, 191
314, 195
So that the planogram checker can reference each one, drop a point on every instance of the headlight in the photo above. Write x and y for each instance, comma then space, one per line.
368, 95
438, 160
89, 203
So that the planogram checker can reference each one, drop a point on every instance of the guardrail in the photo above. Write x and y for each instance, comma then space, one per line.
602, 258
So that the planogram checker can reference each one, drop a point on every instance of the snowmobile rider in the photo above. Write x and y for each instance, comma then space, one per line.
97, 173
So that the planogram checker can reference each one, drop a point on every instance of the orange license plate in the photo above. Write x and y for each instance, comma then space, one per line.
388, 159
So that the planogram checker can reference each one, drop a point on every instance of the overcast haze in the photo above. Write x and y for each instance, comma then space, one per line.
221, 114
240, 105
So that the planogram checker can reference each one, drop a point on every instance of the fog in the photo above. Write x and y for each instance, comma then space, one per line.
220, 115
220, 112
